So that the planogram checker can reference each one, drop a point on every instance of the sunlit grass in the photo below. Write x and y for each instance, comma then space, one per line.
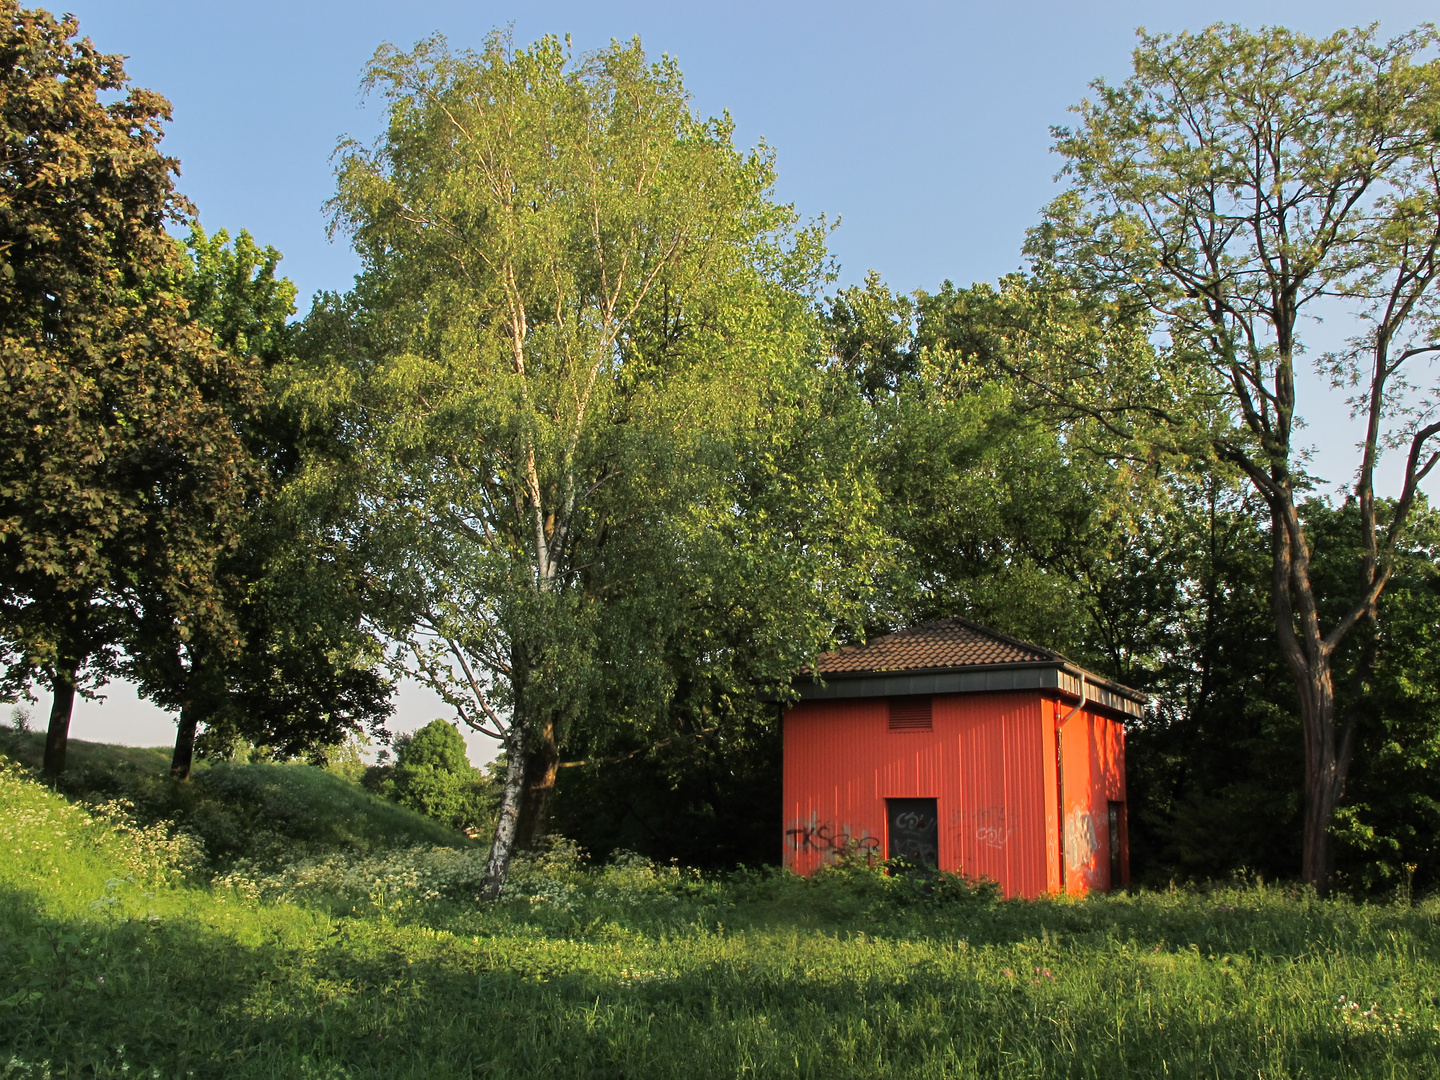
257, 812
114, 962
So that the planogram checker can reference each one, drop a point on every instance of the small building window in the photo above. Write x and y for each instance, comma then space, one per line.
910, 714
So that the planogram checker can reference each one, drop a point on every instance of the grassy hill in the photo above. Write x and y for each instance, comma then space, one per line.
87, 758
259, 812
121, 954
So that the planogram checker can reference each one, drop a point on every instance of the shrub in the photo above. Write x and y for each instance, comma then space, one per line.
432, 775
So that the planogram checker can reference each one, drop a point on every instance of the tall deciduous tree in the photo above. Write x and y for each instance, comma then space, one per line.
118, 461
290, 668
1236, 184
582, 329
999, 508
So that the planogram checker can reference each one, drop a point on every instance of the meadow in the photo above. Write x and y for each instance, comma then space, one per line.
128, 948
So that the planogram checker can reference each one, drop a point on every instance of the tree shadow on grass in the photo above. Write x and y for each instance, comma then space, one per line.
122, 987
1261, 923
291, 993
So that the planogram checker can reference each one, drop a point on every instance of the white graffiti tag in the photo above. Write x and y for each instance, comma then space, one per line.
991, 827
1080, 842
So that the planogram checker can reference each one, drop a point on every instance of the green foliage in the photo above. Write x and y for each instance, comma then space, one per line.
871, 331
119, 465
241, 814
638, 969
438, 746
233, 290
999, 505
293, 671
433, 776
1214, 772
1388, 827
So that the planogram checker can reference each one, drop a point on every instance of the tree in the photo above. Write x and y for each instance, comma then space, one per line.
290, 668
998, 508
1215, 773
580, 333
778, 554
1236, 184
432, 774
118, 463
1386, 831
1213, 770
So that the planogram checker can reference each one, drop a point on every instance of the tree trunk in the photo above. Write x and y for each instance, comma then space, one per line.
184, 756
502, 847
57, 736
541, 766
1324, 775
1321, 799
1309, 661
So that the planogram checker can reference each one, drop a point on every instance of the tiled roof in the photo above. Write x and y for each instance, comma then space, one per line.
937, 646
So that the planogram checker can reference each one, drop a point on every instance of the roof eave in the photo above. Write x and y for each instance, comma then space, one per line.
1057, 675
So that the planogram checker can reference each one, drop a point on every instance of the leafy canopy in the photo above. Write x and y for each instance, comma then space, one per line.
578, 355
118, 459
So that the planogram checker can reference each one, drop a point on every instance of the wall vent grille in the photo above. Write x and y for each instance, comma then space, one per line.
911, 714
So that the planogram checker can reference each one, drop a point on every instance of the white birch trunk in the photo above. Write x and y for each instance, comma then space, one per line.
497, 867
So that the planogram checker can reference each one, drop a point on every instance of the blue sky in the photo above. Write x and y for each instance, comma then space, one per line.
923, 126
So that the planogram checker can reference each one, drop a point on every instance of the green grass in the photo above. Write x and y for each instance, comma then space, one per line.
114, 962
84, 759
257, 812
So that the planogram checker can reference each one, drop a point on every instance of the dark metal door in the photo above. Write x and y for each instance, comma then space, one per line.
1116, 809
914, 831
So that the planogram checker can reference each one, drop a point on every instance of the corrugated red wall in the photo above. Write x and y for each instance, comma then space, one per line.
1093, 762
990, 763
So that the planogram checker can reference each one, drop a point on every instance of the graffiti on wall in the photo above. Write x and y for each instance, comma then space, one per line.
914, 831
831, 841
1080, 843
990, 825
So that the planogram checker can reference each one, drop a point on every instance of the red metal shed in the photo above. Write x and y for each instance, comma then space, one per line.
956, 746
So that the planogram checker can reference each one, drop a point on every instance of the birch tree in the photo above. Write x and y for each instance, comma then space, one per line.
578, 299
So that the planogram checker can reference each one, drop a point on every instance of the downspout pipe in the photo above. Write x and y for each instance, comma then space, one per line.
1084, 700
